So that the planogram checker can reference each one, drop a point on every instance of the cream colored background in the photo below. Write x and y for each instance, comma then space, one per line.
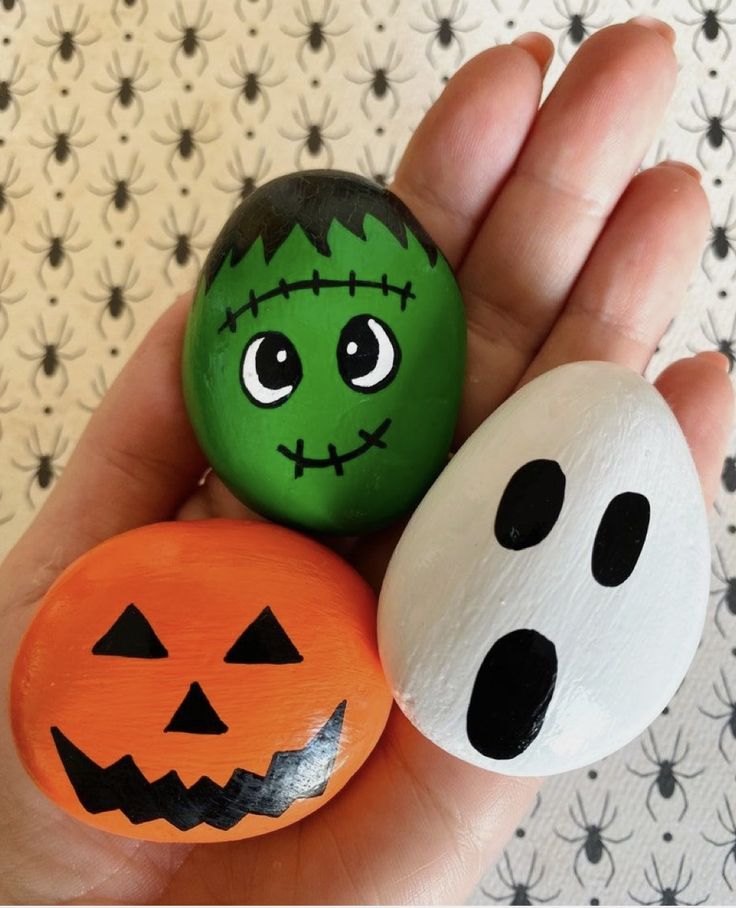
261, 140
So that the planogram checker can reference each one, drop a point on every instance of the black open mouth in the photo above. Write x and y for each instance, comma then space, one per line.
292, 774
370, 440
511, 694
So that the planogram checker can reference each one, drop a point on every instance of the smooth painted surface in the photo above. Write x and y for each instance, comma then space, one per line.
324, 354
609, 567
226, 671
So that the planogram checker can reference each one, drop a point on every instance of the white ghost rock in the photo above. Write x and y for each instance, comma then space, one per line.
548, 595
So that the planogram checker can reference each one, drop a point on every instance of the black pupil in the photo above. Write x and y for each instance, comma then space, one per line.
530, 505
620, 538
357, 352
277, 362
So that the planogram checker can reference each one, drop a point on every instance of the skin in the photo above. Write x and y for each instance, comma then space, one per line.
415, 825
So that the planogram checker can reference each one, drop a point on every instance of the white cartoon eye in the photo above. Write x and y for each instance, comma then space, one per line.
270, 369
368, 354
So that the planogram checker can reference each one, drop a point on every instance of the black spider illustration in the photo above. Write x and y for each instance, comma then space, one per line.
729, 725
316, 34
64, 142
718, 127
250, 82
382, 175
186, 140
315, 136
51, 356
730, 827
520, 893
126, 89
130, 4
7, 6
190, 37
44, 468
244, 181
722, 240
576, 25
380, 80
666, 895
710, 24
444, 28
727, 593
99, 388
182, 245
10, 193
10, 89
57, 246
722, 344
665, 777
593, 844
266, 7
121, 191
116, 296
67, 40
6, 280
728, 474
5, 407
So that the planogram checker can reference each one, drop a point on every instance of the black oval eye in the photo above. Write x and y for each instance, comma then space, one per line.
270, 369
530, 504
264, 642
620, 538
131, 636
368, 354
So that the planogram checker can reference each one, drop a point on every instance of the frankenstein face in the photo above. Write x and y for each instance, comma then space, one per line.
324, 354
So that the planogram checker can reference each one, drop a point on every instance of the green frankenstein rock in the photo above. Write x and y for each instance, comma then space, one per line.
324, 354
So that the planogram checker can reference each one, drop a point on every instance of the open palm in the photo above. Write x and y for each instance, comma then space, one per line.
562, 253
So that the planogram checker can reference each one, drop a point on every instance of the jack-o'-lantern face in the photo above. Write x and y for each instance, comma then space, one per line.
199, 682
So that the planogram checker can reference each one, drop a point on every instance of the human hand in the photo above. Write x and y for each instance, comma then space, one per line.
562, 254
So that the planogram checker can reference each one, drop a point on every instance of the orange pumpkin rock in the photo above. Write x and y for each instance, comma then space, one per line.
199, 681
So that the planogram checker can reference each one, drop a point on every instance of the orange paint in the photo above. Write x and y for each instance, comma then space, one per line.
200, 585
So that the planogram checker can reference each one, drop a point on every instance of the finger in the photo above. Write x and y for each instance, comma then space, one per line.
586, 143
466, 144
701, 396
634, 280
134, 463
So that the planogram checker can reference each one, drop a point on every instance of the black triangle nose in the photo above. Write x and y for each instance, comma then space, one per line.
195, 715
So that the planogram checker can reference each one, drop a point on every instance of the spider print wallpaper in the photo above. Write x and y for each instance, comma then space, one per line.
130, 129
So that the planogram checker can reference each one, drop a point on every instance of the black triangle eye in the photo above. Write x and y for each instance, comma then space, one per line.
131, 636
264, 641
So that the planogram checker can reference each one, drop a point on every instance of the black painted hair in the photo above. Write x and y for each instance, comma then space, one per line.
313, 199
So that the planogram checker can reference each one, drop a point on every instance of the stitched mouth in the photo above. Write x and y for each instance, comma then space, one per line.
334, 460
291, 775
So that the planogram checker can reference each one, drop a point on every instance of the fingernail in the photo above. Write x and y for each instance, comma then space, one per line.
539, 46
656, 25
685, 168
718, 360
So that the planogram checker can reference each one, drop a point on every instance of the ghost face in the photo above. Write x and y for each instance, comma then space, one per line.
548, 595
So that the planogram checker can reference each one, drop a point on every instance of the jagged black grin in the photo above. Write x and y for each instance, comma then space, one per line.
370, 440
292, 774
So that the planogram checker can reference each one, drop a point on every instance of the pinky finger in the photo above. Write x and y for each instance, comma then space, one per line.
699, 391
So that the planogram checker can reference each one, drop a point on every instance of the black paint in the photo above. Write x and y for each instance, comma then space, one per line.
264, 641
512, 691
530, 505
620, 538
131, 636
359, 349
271, 372
195, 715
291, 775
335, 460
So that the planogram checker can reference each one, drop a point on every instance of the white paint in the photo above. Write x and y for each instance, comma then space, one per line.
452, 590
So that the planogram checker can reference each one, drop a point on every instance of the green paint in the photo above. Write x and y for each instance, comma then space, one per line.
420, 395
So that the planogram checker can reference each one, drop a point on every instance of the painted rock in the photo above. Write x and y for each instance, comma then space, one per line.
547, 596
199, 681
324, 354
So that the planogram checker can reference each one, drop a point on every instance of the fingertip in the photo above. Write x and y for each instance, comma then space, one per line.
538, 46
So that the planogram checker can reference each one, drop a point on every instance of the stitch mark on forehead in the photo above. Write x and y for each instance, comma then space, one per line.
315, 284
